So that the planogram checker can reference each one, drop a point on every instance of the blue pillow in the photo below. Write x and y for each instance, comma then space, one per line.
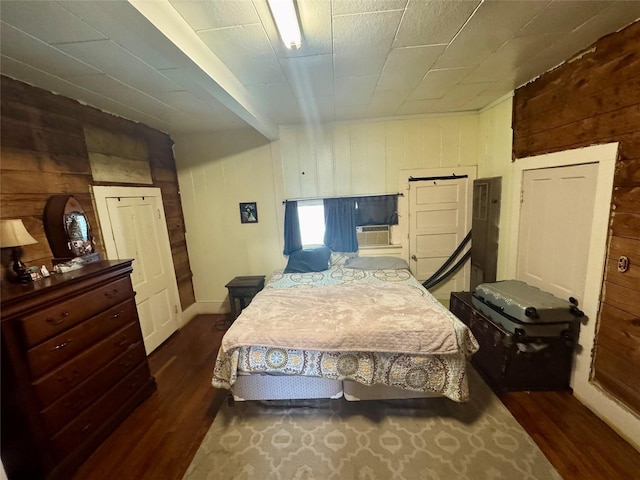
308, 260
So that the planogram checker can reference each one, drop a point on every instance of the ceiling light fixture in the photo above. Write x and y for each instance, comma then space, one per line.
284, 14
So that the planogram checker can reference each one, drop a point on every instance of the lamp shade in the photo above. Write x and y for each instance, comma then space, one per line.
14, 234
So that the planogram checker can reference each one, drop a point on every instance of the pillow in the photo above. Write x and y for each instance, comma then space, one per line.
308, 260
377, 263
339, 258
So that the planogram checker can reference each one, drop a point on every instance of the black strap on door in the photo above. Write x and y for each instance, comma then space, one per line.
437, 278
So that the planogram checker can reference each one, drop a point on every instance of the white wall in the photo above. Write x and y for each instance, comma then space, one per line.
216, 173
495, 138
367, 157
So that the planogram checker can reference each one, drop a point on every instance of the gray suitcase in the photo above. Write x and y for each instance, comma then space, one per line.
525, 310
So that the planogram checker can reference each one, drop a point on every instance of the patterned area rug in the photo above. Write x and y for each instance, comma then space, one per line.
394, 439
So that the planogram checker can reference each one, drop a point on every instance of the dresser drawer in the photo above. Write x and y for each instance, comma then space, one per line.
93, 418
52, 386
70, 343
53, 320
70, 405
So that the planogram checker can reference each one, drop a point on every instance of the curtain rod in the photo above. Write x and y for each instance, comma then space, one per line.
399, 194
448, 177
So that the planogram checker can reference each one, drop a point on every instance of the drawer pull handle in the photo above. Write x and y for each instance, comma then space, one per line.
62, 345
70, 378
126, 364
115, 315
54, 321
74, 405
122, 342
112, 293
88, 426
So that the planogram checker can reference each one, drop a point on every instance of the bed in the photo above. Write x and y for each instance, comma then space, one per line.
359, 329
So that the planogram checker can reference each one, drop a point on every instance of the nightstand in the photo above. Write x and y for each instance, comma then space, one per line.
242, 290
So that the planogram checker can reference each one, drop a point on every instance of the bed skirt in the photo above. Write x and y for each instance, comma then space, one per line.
284, 387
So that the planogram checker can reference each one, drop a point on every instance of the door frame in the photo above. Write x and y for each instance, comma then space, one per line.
471, 171
588, 393
99, 197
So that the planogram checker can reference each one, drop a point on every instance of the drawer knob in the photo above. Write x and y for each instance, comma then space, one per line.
122, 342
61, 345
115, 315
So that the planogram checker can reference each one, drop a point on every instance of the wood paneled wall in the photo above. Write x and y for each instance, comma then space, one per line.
595, 99
44, 153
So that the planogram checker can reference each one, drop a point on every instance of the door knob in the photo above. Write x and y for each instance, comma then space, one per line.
413, 257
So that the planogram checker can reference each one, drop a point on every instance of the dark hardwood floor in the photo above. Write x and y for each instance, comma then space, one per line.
161, 436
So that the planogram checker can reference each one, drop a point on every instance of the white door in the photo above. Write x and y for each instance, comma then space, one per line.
133, 226
555, 228
438, 222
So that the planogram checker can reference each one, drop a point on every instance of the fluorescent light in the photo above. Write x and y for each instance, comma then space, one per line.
284, 14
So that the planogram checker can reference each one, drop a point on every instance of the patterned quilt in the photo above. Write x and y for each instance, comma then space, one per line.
370, 326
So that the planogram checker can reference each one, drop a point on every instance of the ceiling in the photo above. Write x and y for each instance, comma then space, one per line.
197, 66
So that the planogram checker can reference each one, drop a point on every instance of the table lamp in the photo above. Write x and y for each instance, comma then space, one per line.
14, 234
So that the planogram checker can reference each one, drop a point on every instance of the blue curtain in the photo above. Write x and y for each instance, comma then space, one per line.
377, 210
340, 224
292, 237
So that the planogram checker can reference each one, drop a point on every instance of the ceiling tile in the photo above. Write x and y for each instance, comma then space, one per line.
29, 50
504, 62
156, 50
246, 51
562, 17
30, 75
492, 24
384, 104
433, 22
355, 90
406, 66
111, 58
43, 21
278, 101
203, 15
346, 7
370, 32
356, 64
191, 106
316, 110
437, 83
116, 90
309, 76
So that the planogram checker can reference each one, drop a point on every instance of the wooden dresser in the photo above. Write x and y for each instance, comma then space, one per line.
73, 367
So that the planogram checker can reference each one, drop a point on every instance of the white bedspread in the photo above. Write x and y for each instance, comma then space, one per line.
393, 318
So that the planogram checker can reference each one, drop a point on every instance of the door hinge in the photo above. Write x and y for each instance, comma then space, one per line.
521, 196
159, 216
175, 307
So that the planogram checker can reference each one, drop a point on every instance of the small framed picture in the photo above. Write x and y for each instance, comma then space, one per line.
248, 212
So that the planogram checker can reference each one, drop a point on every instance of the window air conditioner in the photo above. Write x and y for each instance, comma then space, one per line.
372, 235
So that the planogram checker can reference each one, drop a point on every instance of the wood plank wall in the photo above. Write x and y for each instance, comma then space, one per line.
595, 99
44, 153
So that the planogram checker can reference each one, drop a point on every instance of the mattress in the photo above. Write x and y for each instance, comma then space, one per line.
380, 341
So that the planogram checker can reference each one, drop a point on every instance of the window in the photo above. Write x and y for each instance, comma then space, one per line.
311, 216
